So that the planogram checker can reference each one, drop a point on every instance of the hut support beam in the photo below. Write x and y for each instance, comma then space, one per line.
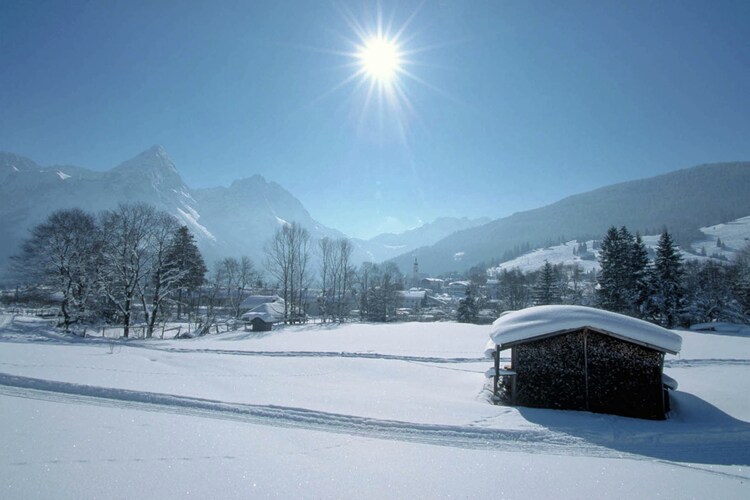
496, 355
586, 364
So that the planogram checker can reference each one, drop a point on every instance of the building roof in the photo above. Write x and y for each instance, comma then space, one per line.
527, 324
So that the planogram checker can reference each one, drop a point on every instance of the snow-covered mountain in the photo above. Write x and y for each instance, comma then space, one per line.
231, 221
243, 216
227, 221
683, 201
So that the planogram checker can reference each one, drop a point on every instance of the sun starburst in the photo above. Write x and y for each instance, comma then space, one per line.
380, 59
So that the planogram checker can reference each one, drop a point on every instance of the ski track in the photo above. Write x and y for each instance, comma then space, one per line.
532, 441
320, 354
691, 363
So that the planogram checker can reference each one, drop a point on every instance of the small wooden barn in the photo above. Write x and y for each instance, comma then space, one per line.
581, 358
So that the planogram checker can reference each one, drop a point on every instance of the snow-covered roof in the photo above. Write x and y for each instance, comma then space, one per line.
412, 294
270, 312
253, 301
459, 283
539, 321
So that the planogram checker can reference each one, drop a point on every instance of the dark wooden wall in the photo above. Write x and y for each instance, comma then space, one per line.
588, 370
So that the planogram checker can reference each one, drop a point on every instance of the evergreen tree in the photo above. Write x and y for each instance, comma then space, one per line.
547, 288
708, 293
741, 280
639, 275
468, 310
623, 279
184, 257
667, 288
613, 275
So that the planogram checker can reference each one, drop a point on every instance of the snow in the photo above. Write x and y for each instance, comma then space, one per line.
270, 312
735, 235
191, 217
558, 254
542, 320
182, 192
281, 221
380, 411
719, 327
412, 294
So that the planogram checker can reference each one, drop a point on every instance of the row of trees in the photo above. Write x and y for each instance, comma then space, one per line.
657, 286
139, 261
667, 290
134, 256
372, 288
137, 264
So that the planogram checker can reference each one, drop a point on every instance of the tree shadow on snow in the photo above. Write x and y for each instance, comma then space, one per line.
696, 432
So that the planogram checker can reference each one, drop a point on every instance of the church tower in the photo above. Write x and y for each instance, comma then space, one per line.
415, 273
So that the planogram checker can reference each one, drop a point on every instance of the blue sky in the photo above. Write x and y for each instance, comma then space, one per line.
511, 105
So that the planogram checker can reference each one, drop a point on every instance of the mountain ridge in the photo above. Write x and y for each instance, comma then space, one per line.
229, 220
238, 219
676, 200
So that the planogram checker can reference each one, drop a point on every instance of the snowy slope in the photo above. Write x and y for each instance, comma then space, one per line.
365, 410
735, 235
558, 254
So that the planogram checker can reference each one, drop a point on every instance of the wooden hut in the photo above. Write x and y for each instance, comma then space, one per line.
262, 317
580, 358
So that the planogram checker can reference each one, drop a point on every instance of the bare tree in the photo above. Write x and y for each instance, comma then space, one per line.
325, 253
245, 280
126, 255
380, 286
61, 254
515, 290
287, 259
236, 276
164, 278
343, 276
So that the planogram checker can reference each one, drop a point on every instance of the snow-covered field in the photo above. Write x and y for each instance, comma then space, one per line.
347, 411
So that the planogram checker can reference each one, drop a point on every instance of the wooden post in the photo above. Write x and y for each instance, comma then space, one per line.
496, 380
513, 366
586, 364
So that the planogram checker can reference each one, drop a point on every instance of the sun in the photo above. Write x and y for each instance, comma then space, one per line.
380, 59
383, 59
